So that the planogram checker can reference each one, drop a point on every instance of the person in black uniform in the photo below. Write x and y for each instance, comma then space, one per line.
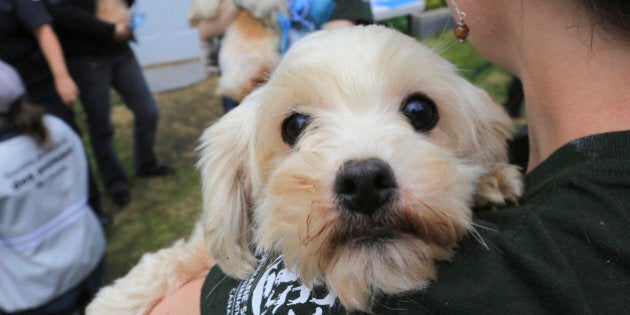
29, 44
99, 57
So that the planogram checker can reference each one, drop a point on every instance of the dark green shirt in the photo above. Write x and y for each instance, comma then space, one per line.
564, 250
353, 10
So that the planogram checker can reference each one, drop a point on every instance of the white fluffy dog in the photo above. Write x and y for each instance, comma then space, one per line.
358, 161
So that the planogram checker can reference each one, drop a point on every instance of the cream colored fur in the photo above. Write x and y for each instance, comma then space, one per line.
112, 11
262, 195
249, 53
264, 10
250, 46
156, 275
203, 9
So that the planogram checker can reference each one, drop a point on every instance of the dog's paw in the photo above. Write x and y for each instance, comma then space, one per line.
502, 184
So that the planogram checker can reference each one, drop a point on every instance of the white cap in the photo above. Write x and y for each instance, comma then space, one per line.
11, 87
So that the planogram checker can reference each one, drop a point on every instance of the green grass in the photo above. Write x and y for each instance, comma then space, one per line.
164, 209
471, 64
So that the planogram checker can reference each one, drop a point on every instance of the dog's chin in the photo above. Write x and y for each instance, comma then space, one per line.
390, 223
374, 237
360, 256
382, 262
386, 253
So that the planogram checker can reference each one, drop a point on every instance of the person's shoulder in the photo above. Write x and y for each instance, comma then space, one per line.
57, 127
32, 13
54, 122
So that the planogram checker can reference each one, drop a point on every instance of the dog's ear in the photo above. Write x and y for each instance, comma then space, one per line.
224, 162
488, 126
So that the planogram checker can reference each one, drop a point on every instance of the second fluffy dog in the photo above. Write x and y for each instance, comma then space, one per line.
364, 149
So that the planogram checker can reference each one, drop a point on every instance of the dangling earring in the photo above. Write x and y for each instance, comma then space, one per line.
461, 30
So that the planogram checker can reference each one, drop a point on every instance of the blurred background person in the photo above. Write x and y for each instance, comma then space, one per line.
51, 243
257, 33
95, 36
29, 44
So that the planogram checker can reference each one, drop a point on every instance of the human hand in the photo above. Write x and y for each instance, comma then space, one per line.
122, 31
67, 89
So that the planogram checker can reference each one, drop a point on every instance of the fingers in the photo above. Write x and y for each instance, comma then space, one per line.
122, 31
67, 90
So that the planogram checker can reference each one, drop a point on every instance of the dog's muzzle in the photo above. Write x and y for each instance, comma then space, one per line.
364, 186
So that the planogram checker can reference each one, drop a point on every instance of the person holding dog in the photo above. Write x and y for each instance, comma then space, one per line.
287, 20
99, 57
566, 247
51, 243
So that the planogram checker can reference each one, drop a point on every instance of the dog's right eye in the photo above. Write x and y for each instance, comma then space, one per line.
293, 126
420, 111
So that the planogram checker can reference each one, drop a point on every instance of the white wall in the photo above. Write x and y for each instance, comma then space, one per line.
166, 46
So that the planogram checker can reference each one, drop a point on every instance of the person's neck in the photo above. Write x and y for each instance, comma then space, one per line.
573, 89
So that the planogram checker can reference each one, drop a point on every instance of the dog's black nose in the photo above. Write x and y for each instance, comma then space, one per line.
365, 185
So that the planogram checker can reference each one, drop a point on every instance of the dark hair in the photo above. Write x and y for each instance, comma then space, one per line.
613, 15
28, 119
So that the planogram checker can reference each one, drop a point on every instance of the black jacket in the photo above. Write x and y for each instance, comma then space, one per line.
78, 29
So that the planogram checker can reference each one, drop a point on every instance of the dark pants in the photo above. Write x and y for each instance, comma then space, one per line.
95, 74
41, 91
228, 104
74, 300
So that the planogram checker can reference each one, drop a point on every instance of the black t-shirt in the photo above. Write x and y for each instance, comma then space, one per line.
353, 10
18, 20
80, 32
564, 250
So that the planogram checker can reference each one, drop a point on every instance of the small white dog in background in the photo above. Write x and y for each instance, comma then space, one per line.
364, 149
250, 48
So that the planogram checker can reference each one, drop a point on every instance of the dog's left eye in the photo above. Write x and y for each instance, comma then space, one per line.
421, 112
293, 126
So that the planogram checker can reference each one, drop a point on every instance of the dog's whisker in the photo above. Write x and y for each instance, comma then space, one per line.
309, 238
477, 225
477, 236
444, 46
305, 240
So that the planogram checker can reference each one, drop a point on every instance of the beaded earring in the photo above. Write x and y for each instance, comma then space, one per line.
461, 30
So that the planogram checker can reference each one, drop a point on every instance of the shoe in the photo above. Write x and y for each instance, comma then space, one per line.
155, 171
120, 194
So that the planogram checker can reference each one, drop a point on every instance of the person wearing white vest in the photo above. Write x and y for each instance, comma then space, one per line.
51, 244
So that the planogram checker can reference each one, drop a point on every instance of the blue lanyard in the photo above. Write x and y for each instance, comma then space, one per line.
304, 16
